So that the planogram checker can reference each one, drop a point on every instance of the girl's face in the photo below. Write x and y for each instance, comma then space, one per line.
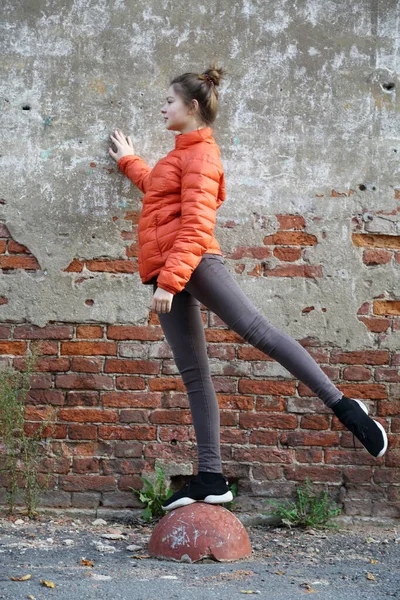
177, 116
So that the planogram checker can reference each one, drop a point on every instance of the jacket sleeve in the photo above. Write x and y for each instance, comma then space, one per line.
136, 170
199, 200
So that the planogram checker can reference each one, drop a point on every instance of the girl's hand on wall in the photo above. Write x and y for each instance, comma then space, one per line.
123, 144
162, 301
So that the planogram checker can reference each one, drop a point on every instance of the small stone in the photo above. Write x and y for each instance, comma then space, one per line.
113, 536
133, 548
186, 558
99, 522
68, 542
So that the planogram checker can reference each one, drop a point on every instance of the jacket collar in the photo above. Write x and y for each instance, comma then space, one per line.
184, 140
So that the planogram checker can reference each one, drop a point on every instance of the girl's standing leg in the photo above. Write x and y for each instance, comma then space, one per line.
184, 332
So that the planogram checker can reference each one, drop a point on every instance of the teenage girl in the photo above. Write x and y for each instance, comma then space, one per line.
180, 257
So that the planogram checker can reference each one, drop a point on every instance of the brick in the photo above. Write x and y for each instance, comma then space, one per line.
82, 432
355, 457
126, 382
46, 364
175, 434
262, 455
86, 365
290, 238
314, 422
111, 266
85, 465
356, 373
251, 353
140, 432
389, 408
50, 332
274, 404
307, 438
145, 367
89, 348
176, 417
81, 381
87, 415
367, 357
264, 438
128, 449
291, 222
13, 348
267, 387
386, 307
89, 332
246, 252
257, 420
166, 383
235, 402
78, 483
54, 397
16, 248
86, 499
287, 254
132, 399
124, 466
309, 455
266, 472
18, 262
311, 271
234, 436
315, 474
375, 325
372, 391
376, 257
387, 375
130, 415
376, 240
130, 332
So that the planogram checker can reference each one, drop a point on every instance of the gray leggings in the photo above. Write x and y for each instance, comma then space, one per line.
213, 285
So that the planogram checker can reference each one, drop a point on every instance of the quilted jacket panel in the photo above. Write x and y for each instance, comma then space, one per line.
182, 193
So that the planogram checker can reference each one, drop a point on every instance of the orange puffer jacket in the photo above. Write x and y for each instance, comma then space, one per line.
181, 196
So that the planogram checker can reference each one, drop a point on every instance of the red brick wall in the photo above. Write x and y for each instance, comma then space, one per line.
118, 404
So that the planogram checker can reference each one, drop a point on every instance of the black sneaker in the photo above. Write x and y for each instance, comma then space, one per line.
354, 415
215, 492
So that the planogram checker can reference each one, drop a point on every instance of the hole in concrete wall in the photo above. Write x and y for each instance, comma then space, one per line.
174, 442
362, 187
373, 188
394, 150
26, 107
389, 86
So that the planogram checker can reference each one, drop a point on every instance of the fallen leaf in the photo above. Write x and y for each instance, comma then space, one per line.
139, 556
250, 591
46, 583
308, 587
30, 597
87, 563
280, 572
371, 577
23, 578
373, 561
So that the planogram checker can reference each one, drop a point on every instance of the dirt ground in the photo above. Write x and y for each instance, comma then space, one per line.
360, 560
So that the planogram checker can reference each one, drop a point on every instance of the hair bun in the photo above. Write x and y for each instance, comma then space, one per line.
213, 75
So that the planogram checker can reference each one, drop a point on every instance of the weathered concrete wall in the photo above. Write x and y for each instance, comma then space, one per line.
308, 114
309, 129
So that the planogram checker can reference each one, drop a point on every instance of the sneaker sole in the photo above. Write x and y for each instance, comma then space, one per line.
211, 499
178, 503
385, 439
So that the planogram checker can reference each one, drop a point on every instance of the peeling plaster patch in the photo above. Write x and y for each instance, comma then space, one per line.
313, 51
